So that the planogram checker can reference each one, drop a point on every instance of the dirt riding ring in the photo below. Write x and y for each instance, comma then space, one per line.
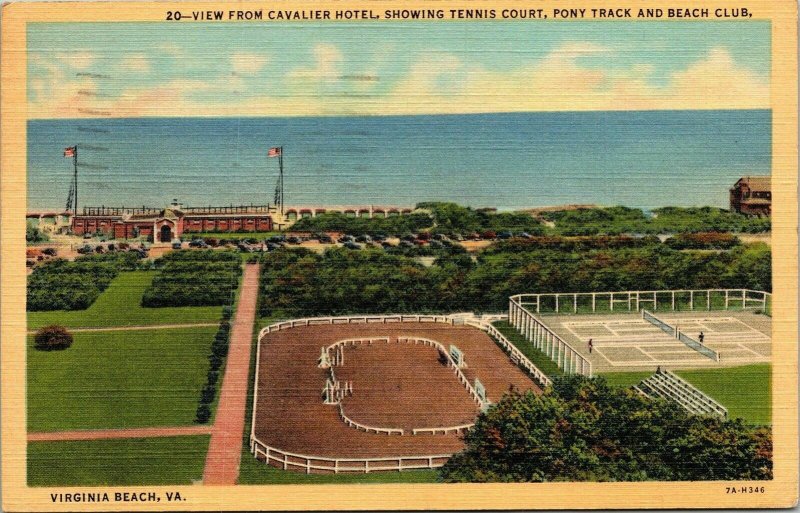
374, 393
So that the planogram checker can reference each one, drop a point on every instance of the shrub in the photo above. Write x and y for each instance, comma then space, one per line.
582, 429
208, 393
52, 338
203, 414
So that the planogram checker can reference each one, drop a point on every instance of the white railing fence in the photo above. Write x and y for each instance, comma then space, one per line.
513, 352
545, 340
320, 464
635, 300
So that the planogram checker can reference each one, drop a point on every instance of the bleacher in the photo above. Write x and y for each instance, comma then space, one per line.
669, 386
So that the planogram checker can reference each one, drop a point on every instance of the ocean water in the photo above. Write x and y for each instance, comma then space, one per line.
638, 159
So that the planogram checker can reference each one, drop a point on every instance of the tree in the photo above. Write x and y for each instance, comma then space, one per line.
52, 338
581, 429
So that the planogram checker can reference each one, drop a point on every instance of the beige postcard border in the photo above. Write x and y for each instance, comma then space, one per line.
782, 491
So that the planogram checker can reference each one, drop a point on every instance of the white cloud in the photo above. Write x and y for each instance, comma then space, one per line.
246, 63
137, 62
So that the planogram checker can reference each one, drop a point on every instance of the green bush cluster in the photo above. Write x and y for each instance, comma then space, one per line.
34, 235
338, 282
618, 220
453, 219
219, 350
703, 240
582, 429
194, 278
63, 285
389, 226
52, 338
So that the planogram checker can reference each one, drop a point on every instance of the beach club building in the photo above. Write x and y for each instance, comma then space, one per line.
752, 195
173, 221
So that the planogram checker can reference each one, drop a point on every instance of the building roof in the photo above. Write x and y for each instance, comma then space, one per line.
757, 183
756, 201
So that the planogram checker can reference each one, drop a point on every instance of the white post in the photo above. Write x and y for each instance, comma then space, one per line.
744, 299
556, 303
708, 299
691, 300
594, 298
726, 299
611, 302
575, 303
673, 300
655, 300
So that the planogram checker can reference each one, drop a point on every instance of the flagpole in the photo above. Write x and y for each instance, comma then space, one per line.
75, 167
280, 165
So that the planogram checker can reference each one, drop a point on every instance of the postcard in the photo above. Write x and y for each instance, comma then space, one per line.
349, 255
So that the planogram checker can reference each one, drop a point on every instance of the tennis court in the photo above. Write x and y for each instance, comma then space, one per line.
630, 342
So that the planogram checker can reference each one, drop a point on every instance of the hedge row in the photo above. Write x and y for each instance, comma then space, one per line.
63, 285
194, 278
219, 350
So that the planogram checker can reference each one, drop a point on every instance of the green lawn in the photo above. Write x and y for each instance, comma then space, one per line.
132, 461
118, 379
746, 391
541, 360
625, 379
120, 305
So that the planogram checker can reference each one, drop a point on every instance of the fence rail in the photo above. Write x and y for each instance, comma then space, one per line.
516, 355
544, 339
635, 300
443, 430
368, 429
311, 464
667, 385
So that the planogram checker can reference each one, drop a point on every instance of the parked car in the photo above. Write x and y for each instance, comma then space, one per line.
294, 240
352, 245
87, 236
525, 235
99, 249
406, 244
488, 235
50, 251
379, 238
436, 244
244, 248
387, 244
177, 244
505, 235
364, 238
345, 238
272, 246
198, 243
277, 239
325, 239
423, 236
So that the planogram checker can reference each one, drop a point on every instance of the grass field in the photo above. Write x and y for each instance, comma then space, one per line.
541, 360
120, 305
118, 379
745, 391
625, 379
133, 461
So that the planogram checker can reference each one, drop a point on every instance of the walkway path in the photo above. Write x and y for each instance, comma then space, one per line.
106, 434
142, 327
225, 448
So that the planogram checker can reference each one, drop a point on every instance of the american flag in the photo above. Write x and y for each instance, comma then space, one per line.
69, 152
274, 152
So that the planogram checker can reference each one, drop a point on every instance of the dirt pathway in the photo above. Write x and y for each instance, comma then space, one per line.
107, 434
225, 448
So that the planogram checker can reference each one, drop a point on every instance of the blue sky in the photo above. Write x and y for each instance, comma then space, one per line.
150, 69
